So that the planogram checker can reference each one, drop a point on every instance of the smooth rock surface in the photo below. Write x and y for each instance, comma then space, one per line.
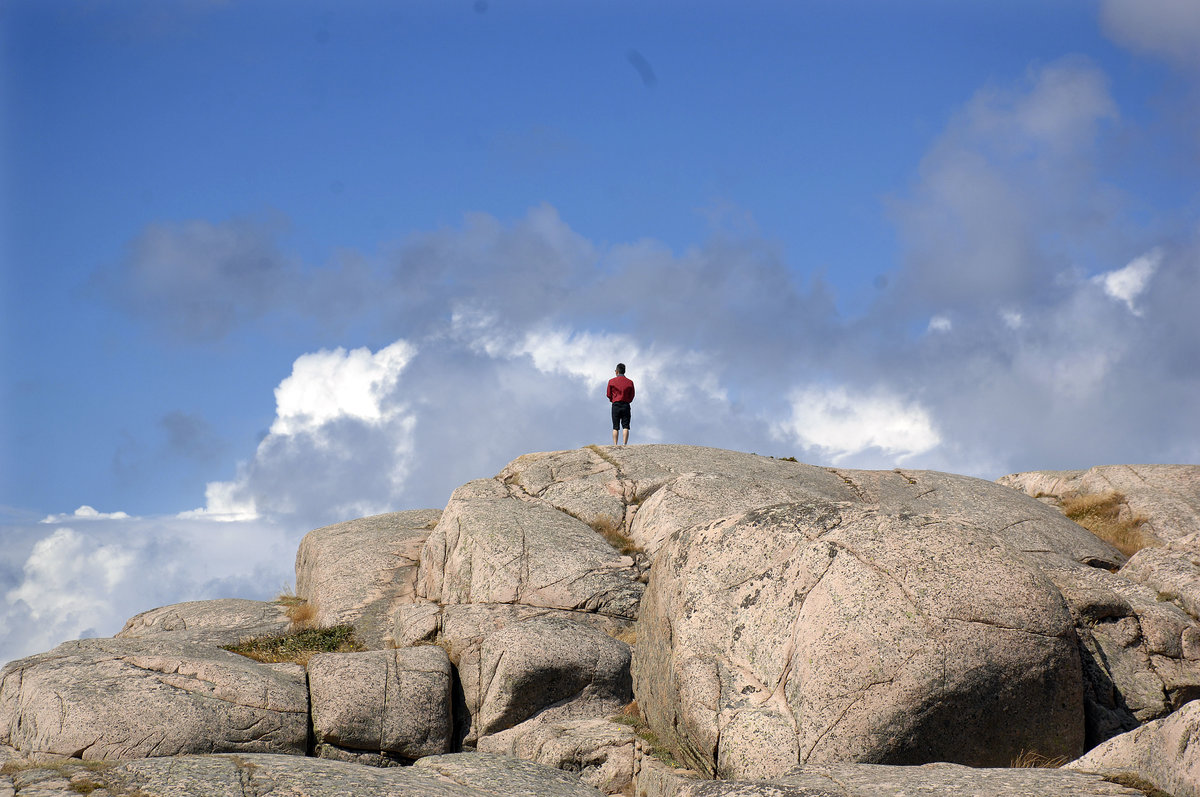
601, 752
651, 491
1165, 752
357, 572
462, 775
655, 779
1167, 495
857, 632
383, 701
134, 698
225, 621
502, 775
493, 545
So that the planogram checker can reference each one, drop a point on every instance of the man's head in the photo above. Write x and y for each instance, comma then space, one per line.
621, 368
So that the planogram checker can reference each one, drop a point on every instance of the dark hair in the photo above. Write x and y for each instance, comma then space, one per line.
620, 368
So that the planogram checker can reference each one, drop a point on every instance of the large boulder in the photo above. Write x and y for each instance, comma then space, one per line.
131, 698
464, 629
357, 572
496, 545
552, 666
896, 631
225, 621
1168, 496
600, 751
1165, 752
383, 701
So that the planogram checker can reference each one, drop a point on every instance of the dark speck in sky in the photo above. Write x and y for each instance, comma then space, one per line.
639, 62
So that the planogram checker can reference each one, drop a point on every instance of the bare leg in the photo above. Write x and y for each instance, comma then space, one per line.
615, 436
626, 436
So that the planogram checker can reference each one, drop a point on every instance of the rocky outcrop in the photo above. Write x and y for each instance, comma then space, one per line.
1168, 496
826, 632
394, 702
224, 621
1164, 752
1172, 571
359, 571
793, 629
131, 698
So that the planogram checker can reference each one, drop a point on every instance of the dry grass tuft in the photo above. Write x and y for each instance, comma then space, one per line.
302, 613
1101, 514
631, 716
1032, 759
298, 646
628, 635
614, 533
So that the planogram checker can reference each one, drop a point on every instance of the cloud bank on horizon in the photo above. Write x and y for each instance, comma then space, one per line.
1005, 337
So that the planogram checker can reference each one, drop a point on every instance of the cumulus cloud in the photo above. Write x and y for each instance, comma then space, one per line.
71, 582
1126, 284
839, 423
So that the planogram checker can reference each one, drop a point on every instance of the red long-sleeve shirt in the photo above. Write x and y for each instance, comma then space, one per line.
620, 388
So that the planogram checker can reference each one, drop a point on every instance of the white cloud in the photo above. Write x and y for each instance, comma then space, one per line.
1012, 319
939, 323
1126, 284
223, 503
1168, 28
840, 423
328, 385
73, 583
84, 512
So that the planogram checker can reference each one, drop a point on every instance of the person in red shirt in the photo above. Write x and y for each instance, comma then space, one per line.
620, 393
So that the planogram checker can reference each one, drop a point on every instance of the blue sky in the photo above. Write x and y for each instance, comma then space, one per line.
271, 265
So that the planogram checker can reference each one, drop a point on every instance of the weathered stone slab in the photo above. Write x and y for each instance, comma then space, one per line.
1172, 571
132, 698
460, 775
1165, 752
550, 665
600, 751
655, 779
855, 632
502, 775
384, 701
493, 546
357, 572
225, 621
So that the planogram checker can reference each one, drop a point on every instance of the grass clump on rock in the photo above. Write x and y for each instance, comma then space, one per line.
297, 647
631, 716
1100, 513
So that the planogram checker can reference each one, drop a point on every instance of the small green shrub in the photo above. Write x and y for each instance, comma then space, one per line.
631, 716
298, 646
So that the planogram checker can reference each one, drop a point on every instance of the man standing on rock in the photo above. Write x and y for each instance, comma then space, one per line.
620, 393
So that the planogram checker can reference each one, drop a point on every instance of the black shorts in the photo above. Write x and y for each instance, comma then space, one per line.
620, 413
